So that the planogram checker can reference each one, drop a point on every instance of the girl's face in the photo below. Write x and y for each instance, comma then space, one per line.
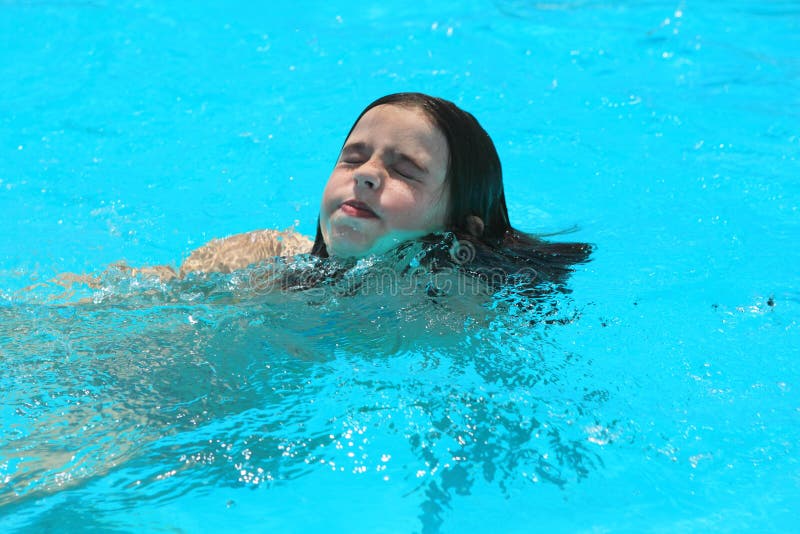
388, 185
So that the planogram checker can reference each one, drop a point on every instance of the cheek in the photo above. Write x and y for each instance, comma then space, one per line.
328, 197
401, 201
438, 207
437, 216
415, 211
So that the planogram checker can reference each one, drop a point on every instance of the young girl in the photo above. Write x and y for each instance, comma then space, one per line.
417, 177
413, 167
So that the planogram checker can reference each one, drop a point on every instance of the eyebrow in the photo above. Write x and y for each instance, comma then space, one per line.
354, 147
360, 147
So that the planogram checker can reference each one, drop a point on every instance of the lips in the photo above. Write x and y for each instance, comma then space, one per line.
356, 208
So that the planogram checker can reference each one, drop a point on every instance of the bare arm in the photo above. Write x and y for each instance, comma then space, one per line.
240, 250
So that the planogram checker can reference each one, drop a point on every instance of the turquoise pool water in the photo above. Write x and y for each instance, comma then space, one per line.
662, 395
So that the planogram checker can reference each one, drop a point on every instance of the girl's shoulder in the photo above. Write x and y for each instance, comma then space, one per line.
241, 250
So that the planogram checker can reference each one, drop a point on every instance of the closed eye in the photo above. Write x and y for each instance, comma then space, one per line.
354, 154
405, 173
409, 168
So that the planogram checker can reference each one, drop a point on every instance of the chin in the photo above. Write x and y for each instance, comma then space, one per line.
347, 249
345, 241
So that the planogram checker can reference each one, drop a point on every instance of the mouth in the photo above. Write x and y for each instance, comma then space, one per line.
355, 208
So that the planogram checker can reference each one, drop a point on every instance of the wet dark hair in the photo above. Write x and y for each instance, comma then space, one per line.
477, 215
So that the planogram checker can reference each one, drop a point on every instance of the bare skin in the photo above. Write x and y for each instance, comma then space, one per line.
241, 250
388, 185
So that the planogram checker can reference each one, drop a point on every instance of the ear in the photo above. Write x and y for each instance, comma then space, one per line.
474, 225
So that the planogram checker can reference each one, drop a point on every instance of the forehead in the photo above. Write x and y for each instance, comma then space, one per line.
392, 123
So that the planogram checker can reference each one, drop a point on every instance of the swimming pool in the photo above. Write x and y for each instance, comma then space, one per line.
663, 397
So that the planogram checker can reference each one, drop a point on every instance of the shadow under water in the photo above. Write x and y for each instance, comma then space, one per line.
147, 391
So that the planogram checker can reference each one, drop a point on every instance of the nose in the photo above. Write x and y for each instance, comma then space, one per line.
369, 175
